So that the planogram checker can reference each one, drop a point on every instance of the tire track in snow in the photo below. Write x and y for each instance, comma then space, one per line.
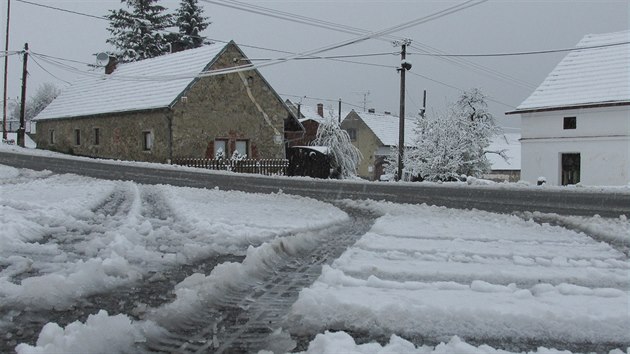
66, 238
248, 317
145, 203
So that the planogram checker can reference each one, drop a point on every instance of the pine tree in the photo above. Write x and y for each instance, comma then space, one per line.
138, 33
191, 22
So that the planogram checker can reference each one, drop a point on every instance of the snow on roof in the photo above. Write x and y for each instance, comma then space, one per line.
385, 127
512, 146
310, 112
129, 87
588, 76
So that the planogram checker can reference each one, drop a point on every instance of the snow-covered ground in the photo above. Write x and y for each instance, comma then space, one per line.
434, 273
459, 281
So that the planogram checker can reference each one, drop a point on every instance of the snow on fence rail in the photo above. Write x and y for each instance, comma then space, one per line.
268, 167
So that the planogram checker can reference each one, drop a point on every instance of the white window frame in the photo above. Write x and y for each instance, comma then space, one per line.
147, 140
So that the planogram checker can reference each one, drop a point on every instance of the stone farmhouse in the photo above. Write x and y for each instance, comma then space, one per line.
576, 124
189, 104
375, 134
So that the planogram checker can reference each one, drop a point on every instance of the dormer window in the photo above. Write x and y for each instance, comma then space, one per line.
570, 123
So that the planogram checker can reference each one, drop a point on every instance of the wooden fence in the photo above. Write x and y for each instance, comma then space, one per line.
268, 167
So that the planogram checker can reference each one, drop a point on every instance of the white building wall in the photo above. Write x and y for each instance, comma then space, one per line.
602, 138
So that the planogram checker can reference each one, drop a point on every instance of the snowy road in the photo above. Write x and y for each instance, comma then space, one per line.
112, 266
496, 198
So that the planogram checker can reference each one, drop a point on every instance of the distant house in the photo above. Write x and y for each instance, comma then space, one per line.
310, 117
375, 134
576, 124
162, 108
501, 169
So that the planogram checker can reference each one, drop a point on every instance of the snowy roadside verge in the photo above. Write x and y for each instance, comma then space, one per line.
473, 183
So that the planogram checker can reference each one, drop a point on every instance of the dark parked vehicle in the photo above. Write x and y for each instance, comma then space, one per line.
310, 161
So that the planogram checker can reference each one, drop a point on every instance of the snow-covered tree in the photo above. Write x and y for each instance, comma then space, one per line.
449, 145
138, 33
345, 156
480, 127
191, 22
36, 103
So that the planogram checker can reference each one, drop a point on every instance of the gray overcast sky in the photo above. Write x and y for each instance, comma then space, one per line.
491, 27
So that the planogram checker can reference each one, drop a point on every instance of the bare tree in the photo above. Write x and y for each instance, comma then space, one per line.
36, 103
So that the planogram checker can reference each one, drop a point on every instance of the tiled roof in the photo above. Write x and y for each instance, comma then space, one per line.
385, 127
133, 86
587, 77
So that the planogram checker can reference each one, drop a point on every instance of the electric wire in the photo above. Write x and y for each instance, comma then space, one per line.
321, 99
48, 72
546, 51
334, 56
313, 52
62, 10
460, 62
457, 88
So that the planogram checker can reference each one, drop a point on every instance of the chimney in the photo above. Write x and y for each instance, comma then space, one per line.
320, 109
371, 110
111, 65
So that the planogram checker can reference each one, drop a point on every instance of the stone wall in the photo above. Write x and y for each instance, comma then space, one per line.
237, 106
120, 136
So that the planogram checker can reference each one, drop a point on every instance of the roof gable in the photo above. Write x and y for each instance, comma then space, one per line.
592, 76
142, 85
385, 127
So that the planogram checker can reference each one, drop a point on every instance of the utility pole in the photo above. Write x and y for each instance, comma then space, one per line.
22, 129
404, 66
6, 66
340, 111
423, 110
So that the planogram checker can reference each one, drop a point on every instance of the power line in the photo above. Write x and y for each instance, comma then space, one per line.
321, 99
287, 16
457, 88
334, 56
476, 67
48, 72
342, 44
58, 58
62, 10
547, 51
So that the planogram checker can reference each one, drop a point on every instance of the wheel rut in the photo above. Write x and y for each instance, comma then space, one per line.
249, 317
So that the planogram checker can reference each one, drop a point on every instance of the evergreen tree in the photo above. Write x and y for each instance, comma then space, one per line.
191, 22
138, 33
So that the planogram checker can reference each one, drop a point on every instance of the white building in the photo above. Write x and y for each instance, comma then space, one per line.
576, 125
